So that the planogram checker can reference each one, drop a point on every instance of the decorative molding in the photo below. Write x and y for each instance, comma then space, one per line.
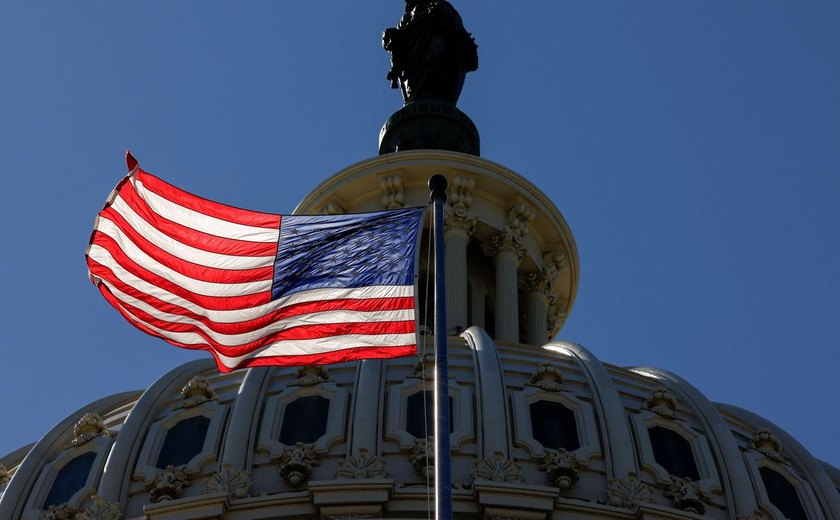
235, 483
628, 493
4, 475
422, 458
686, 495
296, 462
766, 442
169, 484
662, 402
547, 377
59, 512
197, 391
312, 375
362, 466
498, 469
561, 467
394, 197
333, 207
424, 368
88, 427
555, 261
460, 194
101, 509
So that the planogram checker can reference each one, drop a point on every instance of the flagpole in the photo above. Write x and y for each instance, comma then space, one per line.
443, 471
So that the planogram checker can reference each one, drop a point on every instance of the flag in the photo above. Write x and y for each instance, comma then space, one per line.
255, 288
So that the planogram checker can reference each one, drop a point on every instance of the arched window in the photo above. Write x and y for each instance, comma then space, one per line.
782, 494
554, 426
673, 452
70, 479
420, 415
305, 420
183, 441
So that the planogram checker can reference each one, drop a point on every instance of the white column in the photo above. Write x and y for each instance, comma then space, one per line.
457, 236
506, 252
537, 289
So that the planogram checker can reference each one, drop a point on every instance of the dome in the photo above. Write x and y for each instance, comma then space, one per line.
539, 429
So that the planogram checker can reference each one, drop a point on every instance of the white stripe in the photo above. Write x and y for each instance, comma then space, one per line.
181, 250
104, 257
235, 340
290, 347
201, 222
191, 284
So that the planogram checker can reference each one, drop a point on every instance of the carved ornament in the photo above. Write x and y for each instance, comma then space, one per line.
59, 512
169, 484
498, 469
197, 391
4, 475
422, 458
362, 466
767, 443
547, 377
394, 197
101, 509
686, 495
506, 242
628, 493
89, 426
296, 462
333, 207
561, 467
460, 195
537, 284
459, 224
555, 261
663, 403
311, 376
425, 367
235, 483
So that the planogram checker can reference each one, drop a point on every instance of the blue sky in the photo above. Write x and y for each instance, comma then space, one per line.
693, 148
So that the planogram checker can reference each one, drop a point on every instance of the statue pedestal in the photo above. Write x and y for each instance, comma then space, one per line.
429, 124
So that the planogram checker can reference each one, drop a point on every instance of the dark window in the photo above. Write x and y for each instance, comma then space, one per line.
554, 425
673, 452
305, 420
70, 479
420, 417
183, 441
782, 494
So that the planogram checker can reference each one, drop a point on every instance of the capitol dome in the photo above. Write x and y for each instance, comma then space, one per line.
539, 429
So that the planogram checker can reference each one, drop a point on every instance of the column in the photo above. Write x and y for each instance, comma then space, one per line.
506, 252
459, 226
538, 292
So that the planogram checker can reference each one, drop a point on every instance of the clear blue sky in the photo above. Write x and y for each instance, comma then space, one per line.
693, 147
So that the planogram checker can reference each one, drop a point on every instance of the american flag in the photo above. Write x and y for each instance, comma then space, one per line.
256, 288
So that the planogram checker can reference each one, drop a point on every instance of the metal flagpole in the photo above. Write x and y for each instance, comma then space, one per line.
443, 470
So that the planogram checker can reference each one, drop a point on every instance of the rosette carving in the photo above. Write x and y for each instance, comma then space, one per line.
498, 469
235, 483
101, 509
197, 391
169, 484
561, 467
362, 466
296, 462
628, 493
89, 426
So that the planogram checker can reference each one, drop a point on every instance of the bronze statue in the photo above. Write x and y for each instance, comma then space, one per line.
431, 52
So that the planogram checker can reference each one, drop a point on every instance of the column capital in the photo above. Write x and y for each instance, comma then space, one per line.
537, 284
505, 244
458, 223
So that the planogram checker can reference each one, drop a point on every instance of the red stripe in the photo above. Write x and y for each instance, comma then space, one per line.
193, 237
372, 304
222, 303
205, 206
301, 332
191, 269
